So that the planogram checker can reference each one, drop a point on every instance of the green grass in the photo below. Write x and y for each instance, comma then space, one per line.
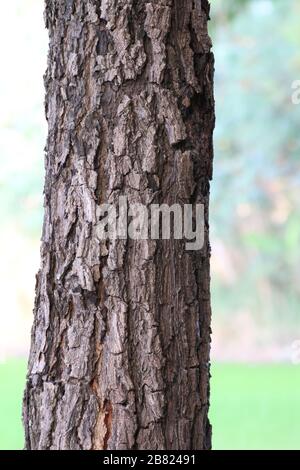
255, 407
252, 406
12, 380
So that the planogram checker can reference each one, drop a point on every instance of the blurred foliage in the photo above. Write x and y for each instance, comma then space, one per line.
255, 200
225, 11
22, 122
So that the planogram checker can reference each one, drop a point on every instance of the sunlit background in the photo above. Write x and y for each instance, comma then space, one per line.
255, 212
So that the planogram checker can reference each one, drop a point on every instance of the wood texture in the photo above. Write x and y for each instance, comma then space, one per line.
120, 344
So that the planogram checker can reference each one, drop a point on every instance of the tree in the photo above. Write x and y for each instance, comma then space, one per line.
120, 344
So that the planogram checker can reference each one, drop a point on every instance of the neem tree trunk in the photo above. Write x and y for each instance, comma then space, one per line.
120, 344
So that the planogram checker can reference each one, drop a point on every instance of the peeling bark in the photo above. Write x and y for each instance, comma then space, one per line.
120, 344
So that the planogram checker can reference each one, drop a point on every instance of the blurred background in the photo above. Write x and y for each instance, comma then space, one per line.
255, 210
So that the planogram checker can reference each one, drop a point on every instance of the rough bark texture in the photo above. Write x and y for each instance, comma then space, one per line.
121, 337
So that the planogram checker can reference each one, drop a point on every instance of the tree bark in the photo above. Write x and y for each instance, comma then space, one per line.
121, 338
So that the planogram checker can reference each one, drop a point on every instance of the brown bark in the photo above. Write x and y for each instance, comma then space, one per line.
120, 344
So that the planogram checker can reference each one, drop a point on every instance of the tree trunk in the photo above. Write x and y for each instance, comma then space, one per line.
120, 344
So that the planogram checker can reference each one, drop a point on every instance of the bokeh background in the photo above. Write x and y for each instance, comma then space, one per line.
255, 402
